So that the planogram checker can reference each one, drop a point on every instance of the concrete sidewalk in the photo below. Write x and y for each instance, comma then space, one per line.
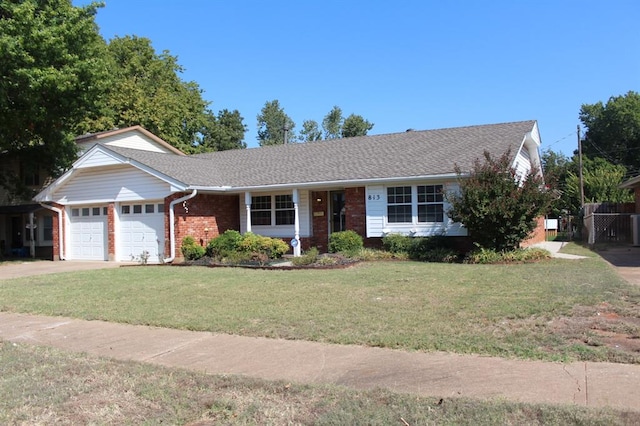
429, 374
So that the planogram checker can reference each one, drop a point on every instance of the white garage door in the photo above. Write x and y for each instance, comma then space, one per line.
88, 233
141, 231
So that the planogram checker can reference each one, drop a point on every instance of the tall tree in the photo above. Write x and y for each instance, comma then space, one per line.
52, 70
601, 180
556, 168
496, 206
355, 125
613, 130
310, 131
332, 123
224, 132
272, 122
147, 90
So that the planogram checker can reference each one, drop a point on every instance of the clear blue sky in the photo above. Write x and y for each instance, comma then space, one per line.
403, 64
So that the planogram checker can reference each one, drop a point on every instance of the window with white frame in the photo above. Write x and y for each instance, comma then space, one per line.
261, 210
47, 228
425, 203
430, 203
399, 204
277, 210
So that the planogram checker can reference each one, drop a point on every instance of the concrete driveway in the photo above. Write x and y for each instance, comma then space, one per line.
626, 260
17, 269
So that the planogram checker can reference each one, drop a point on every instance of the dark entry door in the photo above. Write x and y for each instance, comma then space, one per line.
337, 211
16, 232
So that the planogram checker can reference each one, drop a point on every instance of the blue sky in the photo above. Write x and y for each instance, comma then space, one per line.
404, 64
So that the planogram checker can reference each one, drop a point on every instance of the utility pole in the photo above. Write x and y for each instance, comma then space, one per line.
580, 168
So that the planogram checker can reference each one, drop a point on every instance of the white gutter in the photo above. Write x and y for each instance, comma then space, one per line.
60, 239
172, 237
323, 184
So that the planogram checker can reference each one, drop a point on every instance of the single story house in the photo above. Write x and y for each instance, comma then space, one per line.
130, 192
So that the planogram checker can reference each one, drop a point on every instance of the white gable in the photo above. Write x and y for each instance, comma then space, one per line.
133, 139
105, 184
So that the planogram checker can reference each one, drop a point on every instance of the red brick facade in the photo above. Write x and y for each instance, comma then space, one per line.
537, 236
203, 217
111, 232
319, 221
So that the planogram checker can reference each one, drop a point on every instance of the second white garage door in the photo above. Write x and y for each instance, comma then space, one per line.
141, 231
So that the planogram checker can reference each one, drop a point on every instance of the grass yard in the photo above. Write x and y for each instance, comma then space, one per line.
46, 386
553, 310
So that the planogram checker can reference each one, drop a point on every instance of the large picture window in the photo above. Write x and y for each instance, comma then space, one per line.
419, 204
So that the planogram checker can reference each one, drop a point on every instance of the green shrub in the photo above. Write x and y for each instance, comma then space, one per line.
486, 256
345, 242
397, 243
307, 258
191, 250
225, 244
273, 248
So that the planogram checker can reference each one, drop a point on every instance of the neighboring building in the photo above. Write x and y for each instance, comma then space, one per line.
26, 228
130, 193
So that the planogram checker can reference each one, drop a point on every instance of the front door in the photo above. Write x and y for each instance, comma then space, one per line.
337, 211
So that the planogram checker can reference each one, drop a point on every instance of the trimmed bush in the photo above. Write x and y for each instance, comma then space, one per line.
397, 243
345, 242
225, 244
191, 250
273, 248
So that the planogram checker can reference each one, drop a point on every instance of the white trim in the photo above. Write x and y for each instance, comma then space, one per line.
60, 239
46, 194
172, 230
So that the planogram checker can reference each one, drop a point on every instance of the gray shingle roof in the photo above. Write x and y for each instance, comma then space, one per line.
396, 155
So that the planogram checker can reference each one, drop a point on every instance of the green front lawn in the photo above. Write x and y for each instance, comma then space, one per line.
539, 311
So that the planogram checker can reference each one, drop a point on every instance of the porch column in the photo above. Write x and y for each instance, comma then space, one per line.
32, 236
247, 206
296, 223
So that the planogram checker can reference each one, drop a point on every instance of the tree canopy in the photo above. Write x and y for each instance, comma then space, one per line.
272, 121
497, 206
53, 68
146, 89
59, 78
355, 125
613, 130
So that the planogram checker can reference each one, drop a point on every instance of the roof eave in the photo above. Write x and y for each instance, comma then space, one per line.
324, 184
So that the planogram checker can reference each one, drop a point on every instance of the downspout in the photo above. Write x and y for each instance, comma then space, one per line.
60, 239
172, 237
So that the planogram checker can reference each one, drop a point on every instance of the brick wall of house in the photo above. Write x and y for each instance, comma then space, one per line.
356, 215
319, 221
57, 230
636, 193
111, 232
537, 236
205, 217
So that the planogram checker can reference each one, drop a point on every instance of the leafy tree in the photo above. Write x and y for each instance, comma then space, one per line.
147, 90
355, 125
601, 183
556, 168
332, 123
226, 131
272, 121
497, 206
52, 70
613, 130
310, 131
